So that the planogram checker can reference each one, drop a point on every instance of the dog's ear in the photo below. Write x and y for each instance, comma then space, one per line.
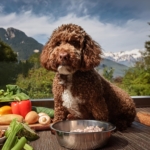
44, 57
90, 54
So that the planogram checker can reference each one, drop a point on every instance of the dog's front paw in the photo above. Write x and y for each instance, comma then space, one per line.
71, 117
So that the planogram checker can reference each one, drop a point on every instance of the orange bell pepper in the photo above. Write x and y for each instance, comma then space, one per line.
5, 110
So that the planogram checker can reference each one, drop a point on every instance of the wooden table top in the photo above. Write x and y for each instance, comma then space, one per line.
137, 137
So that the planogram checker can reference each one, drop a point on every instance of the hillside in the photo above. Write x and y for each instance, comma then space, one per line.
119, 69
23, 45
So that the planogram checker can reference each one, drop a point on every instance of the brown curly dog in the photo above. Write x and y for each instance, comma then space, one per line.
79, 91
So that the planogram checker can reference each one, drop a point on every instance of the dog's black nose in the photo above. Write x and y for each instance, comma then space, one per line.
64, 56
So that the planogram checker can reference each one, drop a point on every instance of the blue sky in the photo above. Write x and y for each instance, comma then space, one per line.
117, 25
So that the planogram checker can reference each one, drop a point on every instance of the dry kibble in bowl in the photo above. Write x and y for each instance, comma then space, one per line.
89, 129
94, 133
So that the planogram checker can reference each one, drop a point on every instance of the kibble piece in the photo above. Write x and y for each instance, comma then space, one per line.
89, 129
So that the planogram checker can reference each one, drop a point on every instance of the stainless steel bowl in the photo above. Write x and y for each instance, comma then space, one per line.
82, 140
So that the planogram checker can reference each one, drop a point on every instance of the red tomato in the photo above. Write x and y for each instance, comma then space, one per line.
21, 107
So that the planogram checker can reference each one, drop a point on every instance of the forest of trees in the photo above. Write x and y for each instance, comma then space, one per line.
37, 81
136, 80
28, 74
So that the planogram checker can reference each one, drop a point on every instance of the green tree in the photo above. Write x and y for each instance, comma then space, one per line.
23, 68
38, 83
34, 59
137, 79
8, 65
108, 73
146, 54
6, 53
8, 73
144, 63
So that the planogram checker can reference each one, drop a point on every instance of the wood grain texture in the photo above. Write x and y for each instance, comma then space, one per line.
36, 126
134, 138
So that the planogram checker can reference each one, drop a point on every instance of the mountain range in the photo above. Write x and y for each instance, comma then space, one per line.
25, 46
127, 58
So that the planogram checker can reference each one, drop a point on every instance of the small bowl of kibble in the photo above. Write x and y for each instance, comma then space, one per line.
83, 134
2, 137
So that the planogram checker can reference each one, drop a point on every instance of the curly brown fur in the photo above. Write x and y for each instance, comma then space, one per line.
79, 91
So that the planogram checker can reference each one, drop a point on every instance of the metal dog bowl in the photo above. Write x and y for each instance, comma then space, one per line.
82, 140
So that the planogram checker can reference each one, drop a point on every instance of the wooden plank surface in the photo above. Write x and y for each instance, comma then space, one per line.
137, 137
134, 138
36, 126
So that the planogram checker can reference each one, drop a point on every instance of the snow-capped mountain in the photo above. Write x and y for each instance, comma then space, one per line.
127, 58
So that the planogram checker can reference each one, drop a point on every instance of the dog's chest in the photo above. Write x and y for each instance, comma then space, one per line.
71, 103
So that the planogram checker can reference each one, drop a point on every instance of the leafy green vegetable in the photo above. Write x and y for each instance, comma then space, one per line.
14, 89
13, 93
48, 111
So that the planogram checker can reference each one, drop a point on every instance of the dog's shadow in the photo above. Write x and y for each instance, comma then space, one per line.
119, 140
115, 142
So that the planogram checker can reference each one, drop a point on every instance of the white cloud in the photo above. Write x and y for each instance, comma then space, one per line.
131, 35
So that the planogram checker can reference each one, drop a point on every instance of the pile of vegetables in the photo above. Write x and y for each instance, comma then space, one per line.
18, 135
48, 111
13, 93
20, 102
19, 114
41, 115
20, 107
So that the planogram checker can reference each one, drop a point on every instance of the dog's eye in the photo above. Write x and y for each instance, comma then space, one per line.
75, 43
58, 43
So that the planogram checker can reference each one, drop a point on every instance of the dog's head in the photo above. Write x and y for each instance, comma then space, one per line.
70, 49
